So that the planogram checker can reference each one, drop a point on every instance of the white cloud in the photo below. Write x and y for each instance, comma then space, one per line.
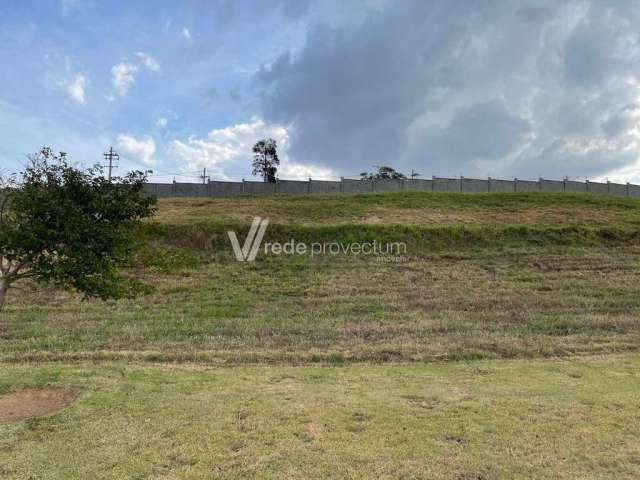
149, 62
226, 152
140, 149
76, 89
123, 77
299, 171
186, 33
162, 122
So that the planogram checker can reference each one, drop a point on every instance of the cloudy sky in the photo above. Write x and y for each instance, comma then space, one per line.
476, 88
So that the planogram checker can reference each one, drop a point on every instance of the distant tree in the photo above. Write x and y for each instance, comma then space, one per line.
69, 227
382, 173
271, 174
265, 159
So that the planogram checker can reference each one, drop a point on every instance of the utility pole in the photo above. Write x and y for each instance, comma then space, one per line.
111, 157
414, 174
204, 176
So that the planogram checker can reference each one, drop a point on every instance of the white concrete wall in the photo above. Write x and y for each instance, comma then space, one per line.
436, 184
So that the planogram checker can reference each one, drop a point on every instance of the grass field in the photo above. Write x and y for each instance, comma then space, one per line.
479, 420
529, 303
482, 290
560, 209
503, 344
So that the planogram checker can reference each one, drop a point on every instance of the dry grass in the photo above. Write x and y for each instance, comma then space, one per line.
472, 304
516, 283
507, 419
409, 208
448, 299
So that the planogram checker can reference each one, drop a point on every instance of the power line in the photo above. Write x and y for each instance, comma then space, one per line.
110, 156
204, 176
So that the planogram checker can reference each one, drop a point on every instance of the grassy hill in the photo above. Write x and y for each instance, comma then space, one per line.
410, 208
497, 276
430, 346
427, 222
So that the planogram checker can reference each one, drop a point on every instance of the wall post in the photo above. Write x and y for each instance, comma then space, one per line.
243, 187
515, 184
461, 179
488, 184
341, 182
309, 187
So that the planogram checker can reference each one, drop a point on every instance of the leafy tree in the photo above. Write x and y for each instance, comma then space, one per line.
69, 227
265, 159
383, 173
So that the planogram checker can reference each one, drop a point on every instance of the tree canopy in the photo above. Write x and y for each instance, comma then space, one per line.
69, 226
265, 159
382, 173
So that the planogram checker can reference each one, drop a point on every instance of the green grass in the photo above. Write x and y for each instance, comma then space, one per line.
425, 221
346, 366
490, 419
410, 208
481, 290
461, 304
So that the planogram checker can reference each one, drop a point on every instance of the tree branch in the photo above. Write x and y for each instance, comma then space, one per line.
23, 275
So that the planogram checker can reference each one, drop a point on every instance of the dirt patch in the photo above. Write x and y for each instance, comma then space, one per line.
33, 403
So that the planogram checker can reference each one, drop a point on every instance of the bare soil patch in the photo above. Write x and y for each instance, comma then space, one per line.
31, 403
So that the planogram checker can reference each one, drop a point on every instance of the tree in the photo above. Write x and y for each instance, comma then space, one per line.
383, 173
265, 159
69, 227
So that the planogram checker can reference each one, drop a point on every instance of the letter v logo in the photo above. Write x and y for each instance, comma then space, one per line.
249, 250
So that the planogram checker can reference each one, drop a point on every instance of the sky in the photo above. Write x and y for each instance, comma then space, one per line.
500, 88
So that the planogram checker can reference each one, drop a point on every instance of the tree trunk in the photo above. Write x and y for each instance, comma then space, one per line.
4, 286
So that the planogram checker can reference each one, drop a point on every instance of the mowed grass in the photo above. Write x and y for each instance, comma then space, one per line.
524, 303
488, 419
459, 292
409, 208
504, 343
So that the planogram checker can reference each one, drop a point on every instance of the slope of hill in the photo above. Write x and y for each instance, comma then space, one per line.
410, 208
499, 275
485, 280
